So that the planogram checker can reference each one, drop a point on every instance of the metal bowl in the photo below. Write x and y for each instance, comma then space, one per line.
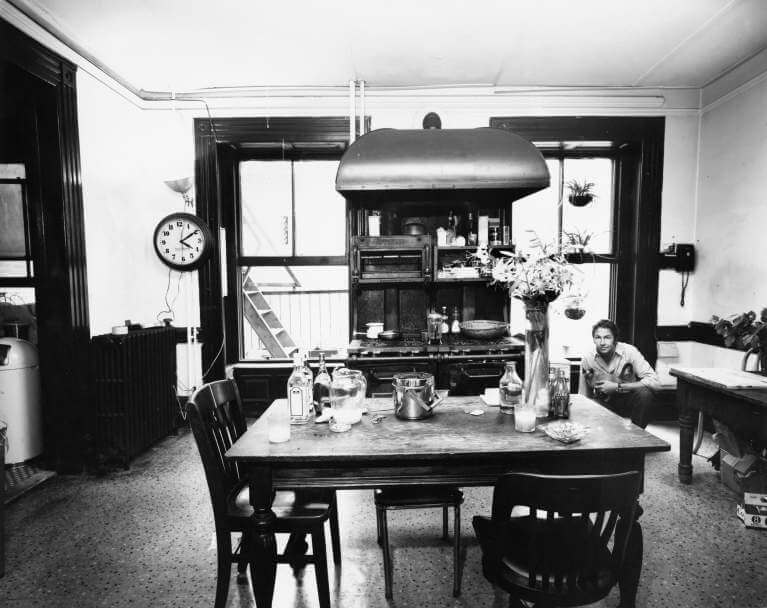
390, 334
413, 228
484, 329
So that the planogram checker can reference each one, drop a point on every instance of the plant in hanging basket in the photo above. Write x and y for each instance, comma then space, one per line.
581, 194
576, 241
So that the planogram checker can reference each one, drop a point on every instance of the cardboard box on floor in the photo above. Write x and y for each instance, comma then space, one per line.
752, 511
746, 473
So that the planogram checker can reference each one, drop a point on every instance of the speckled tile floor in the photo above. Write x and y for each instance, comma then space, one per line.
144, 537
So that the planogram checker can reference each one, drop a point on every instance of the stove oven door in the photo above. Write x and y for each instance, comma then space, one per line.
464, 378
379, 374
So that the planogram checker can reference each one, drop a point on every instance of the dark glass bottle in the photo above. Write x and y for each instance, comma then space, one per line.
471, 229
560, 400
321, 388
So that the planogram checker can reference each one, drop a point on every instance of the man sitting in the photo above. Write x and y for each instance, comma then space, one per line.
617, 375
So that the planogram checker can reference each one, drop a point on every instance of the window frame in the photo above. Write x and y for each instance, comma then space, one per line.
220, 144
638, 143
28, 279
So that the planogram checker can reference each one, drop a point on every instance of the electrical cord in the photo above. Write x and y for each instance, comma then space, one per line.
685, 280
168, 306
218, 354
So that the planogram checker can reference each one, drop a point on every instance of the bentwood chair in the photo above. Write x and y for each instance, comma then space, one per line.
558, 540
419, 498
216, 418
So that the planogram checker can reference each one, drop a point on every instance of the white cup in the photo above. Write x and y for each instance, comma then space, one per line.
278, 425
524, 418
374, 329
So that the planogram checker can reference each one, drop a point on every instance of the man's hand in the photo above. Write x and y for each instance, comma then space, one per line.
606, 387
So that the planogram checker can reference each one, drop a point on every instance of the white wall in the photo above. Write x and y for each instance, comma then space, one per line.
731, 275
126, 154
677, 212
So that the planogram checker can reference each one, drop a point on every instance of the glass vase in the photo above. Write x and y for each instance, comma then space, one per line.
536, 385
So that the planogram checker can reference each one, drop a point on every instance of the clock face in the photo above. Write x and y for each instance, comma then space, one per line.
183, 241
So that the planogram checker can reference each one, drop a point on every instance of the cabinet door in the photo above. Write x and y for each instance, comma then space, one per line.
259, 387
379, 376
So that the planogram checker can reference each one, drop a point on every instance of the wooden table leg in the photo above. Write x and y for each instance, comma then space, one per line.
628, 580
686, 430
263, 560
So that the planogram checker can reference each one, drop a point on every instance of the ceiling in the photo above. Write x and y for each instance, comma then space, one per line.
186, 45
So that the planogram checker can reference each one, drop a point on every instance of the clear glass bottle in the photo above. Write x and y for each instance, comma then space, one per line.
299, 393
321, 388
455, 325
450, 232
561, 396
307, 368
510, 388
444, 328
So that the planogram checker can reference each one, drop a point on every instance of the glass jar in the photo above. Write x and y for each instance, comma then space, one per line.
347, 394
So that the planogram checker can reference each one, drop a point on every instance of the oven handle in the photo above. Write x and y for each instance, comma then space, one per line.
381, 395
478, 376
378, 378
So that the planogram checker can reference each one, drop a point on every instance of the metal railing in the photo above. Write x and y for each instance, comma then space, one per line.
312, 318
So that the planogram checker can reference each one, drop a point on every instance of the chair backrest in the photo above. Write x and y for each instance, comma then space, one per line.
215, 415
575, 525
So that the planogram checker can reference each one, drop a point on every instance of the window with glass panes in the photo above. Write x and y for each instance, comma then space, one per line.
586, 233
292, 262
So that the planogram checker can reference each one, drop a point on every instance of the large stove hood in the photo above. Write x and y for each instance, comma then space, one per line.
482, 159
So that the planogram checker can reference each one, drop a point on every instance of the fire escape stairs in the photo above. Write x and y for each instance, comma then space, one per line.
265, 321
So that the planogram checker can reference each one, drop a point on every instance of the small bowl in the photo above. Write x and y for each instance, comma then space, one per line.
484, 329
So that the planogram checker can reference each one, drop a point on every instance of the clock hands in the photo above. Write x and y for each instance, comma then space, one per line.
183, 241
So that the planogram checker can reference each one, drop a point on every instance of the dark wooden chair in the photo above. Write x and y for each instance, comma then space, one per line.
419, 498
558, 540
215, 415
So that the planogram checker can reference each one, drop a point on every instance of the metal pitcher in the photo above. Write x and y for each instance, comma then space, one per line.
414, 395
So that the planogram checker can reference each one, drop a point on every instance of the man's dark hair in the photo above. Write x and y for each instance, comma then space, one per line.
605, 324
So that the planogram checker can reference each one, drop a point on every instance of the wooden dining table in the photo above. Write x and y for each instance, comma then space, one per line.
454, 446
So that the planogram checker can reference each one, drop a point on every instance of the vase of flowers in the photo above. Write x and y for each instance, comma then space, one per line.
537, 278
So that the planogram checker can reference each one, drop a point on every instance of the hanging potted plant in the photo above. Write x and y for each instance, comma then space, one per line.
576, 241
581, 194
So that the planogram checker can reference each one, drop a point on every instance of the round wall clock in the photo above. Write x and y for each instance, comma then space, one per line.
183, 241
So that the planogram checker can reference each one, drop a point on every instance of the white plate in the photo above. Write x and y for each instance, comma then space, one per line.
490, 400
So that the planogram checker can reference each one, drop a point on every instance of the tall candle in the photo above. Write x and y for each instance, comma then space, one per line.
524, 419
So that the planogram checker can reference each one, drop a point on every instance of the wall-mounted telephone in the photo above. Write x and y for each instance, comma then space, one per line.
679, 257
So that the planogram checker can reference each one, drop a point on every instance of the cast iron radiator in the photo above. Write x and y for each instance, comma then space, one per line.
133, 391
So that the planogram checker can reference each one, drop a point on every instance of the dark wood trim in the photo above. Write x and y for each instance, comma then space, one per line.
695, 331
639, 179
298, 260
58, 232
673, 333
207, 188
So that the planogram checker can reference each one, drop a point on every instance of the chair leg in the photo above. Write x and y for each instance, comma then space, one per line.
444, 522
457, 570
378, 524
386, 555
224, 553
319, 553
335, 538
242, 566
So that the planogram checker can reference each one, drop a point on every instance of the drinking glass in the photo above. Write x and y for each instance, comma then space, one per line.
278, 425
524, 417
